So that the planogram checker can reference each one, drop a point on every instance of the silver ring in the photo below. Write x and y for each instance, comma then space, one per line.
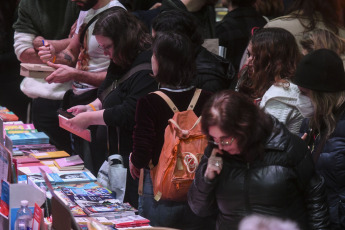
217, 164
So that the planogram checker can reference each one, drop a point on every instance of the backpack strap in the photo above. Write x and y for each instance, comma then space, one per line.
194, 99
130, 73
82, 34
167, 100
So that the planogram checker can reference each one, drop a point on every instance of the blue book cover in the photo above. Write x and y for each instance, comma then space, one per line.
72, 177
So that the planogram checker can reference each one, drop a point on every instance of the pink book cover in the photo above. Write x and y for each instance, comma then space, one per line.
34, 168
69, 161
85, 134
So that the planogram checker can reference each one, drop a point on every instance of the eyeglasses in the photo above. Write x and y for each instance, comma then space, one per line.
222, 143
105, 48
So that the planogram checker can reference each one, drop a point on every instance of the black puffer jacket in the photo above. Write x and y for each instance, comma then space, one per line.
214, 73
331, 165
283, 183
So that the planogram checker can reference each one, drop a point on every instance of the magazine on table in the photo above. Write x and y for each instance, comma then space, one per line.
72, 177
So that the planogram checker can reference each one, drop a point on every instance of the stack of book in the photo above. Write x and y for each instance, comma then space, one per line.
28, 138
69, 163
7, 115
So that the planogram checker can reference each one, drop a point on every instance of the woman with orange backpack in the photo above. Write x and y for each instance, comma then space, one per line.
174, 68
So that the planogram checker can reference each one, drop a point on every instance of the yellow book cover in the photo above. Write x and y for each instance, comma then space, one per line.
49, 155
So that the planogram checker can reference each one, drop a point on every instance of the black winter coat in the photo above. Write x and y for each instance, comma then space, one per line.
214, 73
331, 165
283, 184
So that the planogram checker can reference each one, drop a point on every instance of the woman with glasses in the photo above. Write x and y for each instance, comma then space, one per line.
174, 68
126, 41
254, 165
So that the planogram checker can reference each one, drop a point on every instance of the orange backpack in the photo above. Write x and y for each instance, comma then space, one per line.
183, 147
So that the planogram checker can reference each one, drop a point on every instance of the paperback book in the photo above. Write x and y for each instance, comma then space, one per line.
49, 155
37, 178
106, 208
69, 163
72, 177
91, 194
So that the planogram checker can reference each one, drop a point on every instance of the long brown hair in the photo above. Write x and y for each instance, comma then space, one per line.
326, 106
127, 33
237, 116
275, 57
320, 38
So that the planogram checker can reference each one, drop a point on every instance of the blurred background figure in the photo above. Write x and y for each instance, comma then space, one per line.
319, 38
256, 222
213, 73
321, 78
307, 15
269, 8
236, 27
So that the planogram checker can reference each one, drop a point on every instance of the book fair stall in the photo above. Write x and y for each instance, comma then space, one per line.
44, 188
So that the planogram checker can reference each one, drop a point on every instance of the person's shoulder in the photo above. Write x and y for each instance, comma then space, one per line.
113, 3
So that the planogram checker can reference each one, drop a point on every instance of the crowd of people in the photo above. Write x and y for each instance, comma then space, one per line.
272, 106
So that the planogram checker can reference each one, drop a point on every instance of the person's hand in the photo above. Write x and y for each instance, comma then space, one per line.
135, 172
47, 52
155, 6
63, 73
38, 42
75, 110
79, 122
214, 165
304, 137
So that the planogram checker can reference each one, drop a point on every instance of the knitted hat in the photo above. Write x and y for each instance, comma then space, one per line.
321, 70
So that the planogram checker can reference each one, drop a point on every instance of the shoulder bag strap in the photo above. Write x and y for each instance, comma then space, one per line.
131, 72
167, 100
82, 34
194, 99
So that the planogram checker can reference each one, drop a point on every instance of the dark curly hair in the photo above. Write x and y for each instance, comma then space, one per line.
237, 116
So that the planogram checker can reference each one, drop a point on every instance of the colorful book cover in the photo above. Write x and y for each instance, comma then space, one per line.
38, 215
29, 138
26, 159
5, 197
33, 168
50, 155
37, 178
15, 131
69, 161
73, 177
92, 194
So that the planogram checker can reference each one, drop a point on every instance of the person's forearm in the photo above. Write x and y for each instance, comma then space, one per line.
59, 45
92, 78
96, 117
69, 55
30, 56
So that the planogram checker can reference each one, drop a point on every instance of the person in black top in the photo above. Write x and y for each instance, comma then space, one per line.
126, 41
235, 29
174, 69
